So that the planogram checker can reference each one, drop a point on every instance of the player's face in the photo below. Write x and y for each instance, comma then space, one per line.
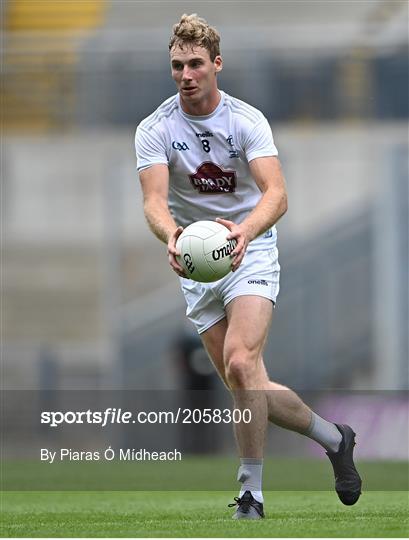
194, 73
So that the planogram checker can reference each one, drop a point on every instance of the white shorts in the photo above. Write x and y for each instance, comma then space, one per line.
258, 275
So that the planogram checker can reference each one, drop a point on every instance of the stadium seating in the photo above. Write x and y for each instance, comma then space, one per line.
41, 53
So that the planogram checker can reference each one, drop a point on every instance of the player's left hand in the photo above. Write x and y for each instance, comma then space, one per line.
240, 234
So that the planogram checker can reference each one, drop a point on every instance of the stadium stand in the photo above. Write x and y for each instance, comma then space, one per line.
41, 55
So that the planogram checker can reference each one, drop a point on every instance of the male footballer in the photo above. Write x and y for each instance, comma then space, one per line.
205, 155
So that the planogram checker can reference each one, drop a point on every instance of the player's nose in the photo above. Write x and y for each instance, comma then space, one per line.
186, 76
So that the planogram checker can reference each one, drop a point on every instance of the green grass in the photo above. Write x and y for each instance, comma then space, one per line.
192, 473
111, 500
199, 514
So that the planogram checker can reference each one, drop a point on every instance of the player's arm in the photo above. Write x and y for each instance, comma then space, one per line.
155, 187
268, 175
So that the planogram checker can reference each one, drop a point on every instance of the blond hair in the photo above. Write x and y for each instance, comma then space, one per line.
193, 30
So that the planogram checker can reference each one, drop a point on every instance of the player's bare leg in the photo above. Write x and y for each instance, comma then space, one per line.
235, 345
243, 346
284, 407
213, 342
236, 355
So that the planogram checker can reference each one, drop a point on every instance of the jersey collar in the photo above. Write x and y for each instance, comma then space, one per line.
205, 117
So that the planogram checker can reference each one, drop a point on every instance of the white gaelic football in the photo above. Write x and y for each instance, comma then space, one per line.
205, 251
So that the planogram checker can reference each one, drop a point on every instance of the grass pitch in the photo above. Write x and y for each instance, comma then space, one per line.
199, 514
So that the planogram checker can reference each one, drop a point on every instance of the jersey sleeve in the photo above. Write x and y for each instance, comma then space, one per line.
150, 148
259, 142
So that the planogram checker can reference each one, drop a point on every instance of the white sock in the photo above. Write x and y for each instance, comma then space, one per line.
250, 475
325, 433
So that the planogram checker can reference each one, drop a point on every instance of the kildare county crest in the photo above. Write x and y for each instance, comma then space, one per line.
210, 178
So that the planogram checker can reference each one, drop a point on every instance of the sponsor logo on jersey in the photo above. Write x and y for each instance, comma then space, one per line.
257, 282
210, 178
204, 134
180, 146
224, 251
188, 261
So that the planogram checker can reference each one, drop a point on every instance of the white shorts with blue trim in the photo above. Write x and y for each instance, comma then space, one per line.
258, 275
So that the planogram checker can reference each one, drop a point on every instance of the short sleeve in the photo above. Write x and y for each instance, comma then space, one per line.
260, 142
150, 148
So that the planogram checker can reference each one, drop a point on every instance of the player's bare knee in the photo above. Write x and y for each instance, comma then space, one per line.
240, 372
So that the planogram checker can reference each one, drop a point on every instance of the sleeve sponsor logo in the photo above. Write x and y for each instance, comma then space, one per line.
210, 178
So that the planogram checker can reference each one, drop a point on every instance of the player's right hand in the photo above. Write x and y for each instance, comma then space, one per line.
173, 252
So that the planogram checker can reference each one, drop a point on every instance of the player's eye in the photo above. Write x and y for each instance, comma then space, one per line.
196, 63
178, 67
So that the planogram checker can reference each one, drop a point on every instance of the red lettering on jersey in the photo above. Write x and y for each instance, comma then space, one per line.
210, 178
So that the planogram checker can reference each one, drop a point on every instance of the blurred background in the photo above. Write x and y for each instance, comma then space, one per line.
88, 299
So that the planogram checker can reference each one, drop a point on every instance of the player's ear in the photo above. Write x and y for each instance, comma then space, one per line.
218, 64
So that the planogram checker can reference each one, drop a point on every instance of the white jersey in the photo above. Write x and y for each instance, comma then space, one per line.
208, 159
